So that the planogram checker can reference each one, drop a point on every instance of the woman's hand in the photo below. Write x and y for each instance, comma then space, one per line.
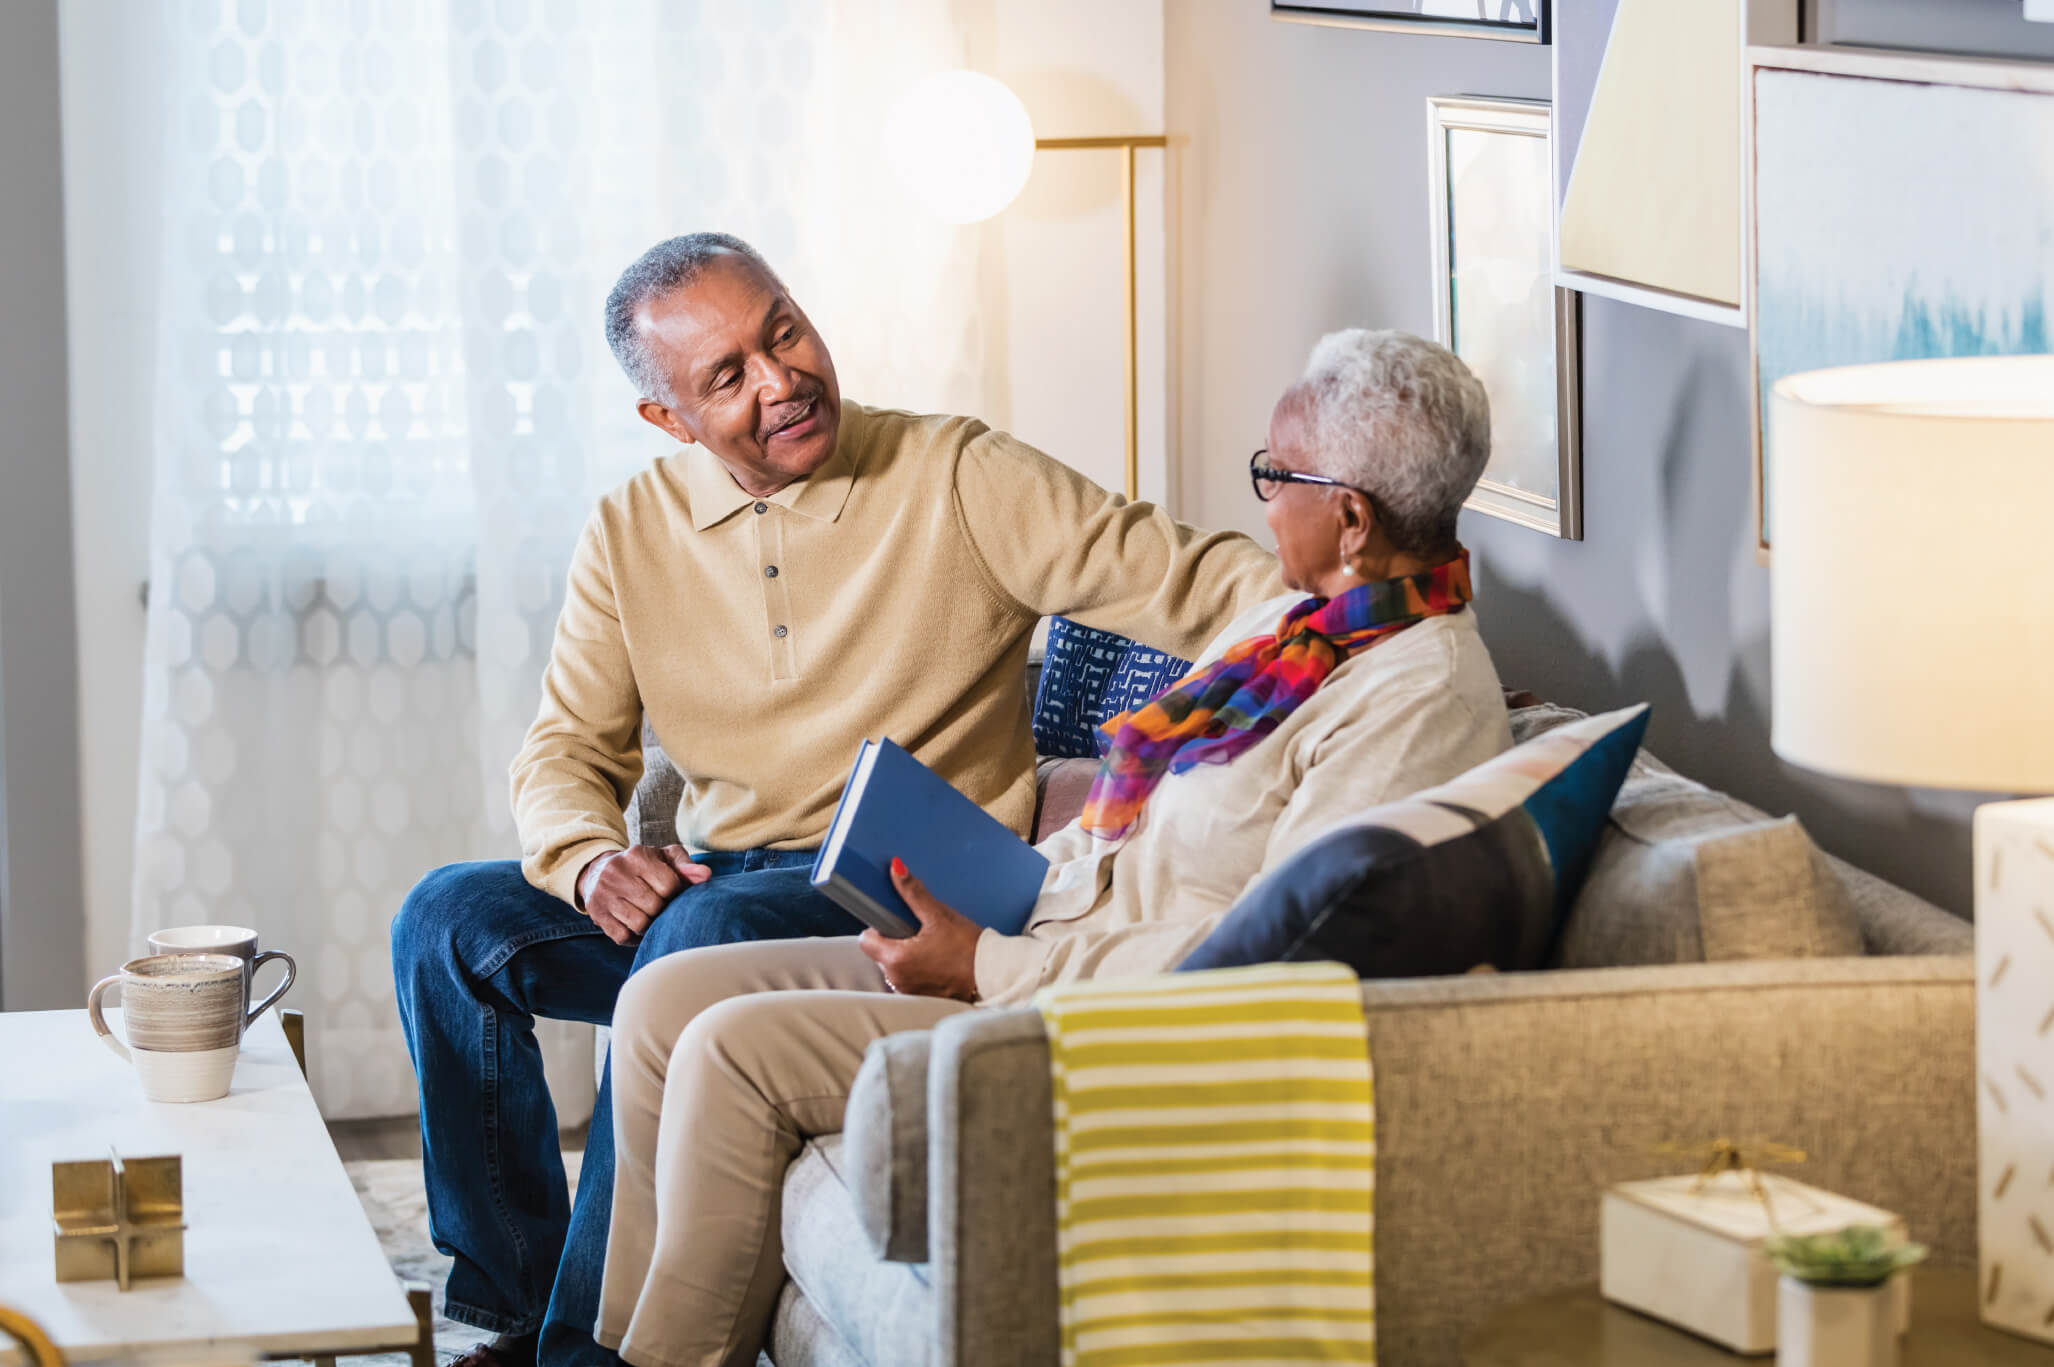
941, 959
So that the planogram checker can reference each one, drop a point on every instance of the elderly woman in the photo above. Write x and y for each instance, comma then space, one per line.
1305, 711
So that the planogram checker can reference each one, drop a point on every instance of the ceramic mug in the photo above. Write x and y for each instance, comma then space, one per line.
239, 941
184, 1018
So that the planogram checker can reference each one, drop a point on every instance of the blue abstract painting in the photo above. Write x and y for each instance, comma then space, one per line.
1897, 221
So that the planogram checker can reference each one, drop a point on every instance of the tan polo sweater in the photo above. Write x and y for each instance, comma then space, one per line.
891, 594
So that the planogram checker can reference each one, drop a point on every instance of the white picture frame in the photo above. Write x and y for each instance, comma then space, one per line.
1762, 22
1895, 169
1418, 17
1558, 512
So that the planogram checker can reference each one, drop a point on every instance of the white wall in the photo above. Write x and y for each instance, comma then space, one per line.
109, 132
1083, 68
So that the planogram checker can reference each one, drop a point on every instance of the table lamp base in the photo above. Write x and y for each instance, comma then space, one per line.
2014, 865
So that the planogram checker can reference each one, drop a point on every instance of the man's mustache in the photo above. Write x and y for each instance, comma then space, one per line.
782, 416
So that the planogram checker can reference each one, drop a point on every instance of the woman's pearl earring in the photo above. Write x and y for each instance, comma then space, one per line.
1348, 568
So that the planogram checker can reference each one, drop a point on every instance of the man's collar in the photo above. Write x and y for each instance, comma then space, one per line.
715, 497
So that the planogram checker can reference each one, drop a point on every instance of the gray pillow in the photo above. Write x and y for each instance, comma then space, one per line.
1686, 875
1888, 919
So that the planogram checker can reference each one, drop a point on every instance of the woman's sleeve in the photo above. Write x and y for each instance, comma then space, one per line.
1396, 746
1011, 967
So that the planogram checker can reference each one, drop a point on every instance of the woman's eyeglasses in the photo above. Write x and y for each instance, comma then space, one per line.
1267, 479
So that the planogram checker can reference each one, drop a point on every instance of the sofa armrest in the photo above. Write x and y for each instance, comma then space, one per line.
884, 1146
992, 1190
1505, 1105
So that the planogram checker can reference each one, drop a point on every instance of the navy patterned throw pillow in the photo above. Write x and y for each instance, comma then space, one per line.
1481, 870
1087, 676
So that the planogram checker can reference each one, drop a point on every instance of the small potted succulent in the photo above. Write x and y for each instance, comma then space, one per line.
1833, 1306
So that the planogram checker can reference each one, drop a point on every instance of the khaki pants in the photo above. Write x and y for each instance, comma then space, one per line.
725, 1061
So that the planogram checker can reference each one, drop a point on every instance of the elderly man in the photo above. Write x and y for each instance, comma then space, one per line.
802, 574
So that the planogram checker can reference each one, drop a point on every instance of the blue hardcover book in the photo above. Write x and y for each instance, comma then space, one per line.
893, 806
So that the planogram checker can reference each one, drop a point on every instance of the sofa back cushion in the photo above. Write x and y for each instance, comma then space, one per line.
1685, 873
652, 813
1677, 880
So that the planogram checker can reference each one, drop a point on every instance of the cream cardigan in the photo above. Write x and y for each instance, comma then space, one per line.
1411, 712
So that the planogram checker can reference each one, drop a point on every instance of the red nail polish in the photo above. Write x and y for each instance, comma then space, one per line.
898, 867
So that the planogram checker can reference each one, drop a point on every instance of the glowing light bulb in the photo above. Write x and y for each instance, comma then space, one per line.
961, 144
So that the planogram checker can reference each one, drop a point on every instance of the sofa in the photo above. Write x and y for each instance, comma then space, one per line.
1506, 1102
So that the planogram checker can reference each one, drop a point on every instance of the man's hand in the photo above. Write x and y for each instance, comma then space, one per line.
624, 891
939, 961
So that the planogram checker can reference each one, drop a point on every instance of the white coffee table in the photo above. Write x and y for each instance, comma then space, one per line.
280, 1259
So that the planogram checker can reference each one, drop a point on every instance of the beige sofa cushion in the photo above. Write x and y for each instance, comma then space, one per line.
1064, 785
1687, 874
1678, 880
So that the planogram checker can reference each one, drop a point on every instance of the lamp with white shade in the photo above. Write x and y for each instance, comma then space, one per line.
1913, 639
962, 145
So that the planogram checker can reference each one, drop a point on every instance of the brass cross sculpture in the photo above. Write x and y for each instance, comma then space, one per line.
118, 1219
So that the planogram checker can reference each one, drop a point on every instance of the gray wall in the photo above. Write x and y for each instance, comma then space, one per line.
41, 915
1300, 189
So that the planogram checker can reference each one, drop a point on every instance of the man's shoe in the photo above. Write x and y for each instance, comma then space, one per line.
505, 1351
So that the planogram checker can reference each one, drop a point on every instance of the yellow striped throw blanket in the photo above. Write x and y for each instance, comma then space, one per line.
1215, 1167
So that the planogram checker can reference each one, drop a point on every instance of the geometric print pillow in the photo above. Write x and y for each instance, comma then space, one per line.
1088, 675
1480, 870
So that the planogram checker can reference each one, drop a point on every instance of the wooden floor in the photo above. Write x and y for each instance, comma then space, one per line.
400, 1137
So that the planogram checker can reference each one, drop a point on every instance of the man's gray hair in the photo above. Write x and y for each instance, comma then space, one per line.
663, 268
1404, 419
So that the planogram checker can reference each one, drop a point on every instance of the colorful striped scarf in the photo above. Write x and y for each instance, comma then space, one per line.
1220, 710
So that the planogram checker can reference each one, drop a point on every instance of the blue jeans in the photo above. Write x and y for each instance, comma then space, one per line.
477, 954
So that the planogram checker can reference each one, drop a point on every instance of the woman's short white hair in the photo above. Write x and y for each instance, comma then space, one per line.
1402, 418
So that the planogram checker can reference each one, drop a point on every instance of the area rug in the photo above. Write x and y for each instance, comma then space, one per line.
397, 1203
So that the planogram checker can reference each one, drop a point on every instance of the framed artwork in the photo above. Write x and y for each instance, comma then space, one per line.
1650, 133
1496, 304
1902, 209
1518, 21
1965, 27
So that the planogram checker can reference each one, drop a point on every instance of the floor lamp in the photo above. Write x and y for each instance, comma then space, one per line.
962, 143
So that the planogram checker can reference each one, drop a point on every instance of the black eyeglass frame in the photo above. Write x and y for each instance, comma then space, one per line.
1259, 474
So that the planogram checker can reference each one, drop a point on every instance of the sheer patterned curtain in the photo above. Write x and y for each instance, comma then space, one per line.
385, 405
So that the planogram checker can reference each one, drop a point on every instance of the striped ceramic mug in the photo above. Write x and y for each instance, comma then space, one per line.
239, 941
183, 1015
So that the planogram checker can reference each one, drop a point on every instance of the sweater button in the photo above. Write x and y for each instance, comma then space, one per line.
763, 507
780, 633
770, 571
